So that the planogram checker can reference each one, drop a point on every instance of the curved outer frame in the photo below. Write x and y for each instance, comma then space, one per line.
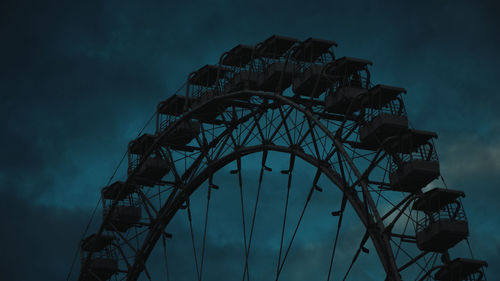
373, 223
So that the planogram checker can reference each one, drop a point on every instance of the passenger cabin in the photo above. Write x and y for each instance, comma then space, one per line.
242, 80
462, 269
313, 49
151, 171
344, 100
142, 144
376, 131
313, 57
168, 111
96, 243
413, 141
277, 76
203, 84
174, 105
444, 223
244, 77
206, 110
117, 191
207, 75
122, 218
275, 47
99, 269
273, 64
414, 175
415, 162
181, 134
384, 115
344, 67
312, 82
239, 56
203, 89
349, 85
380, 96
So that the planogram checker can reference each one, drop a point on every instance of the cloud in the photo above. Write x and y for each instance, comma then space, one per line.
471, 156
39, 242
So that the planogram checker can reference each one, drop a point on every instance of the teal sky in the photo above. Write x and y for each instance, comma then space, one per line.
78, 80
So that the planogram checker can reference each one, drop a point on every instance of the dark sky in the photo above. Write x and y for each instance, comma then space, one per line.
78, 80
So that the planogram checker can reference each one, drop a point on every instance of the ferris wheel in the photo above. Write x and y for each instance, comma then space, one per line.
281, 162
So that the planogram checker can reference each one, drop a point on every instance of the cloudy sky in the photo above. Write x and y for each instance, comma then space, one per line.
78, 80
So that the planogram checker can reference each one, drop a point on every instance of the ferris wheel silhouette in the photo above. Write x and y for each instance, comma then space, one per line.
342, 141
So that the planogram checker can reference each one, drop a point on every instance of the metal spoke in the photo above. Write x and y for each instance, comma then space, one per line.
356, 255
289, 184
313, 187
342, 208
240, 183
193, 241
261, 175
210, 185
165, 256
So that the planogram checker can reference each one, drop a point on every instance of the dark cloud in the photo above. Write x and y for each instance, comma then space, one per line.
39, 242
